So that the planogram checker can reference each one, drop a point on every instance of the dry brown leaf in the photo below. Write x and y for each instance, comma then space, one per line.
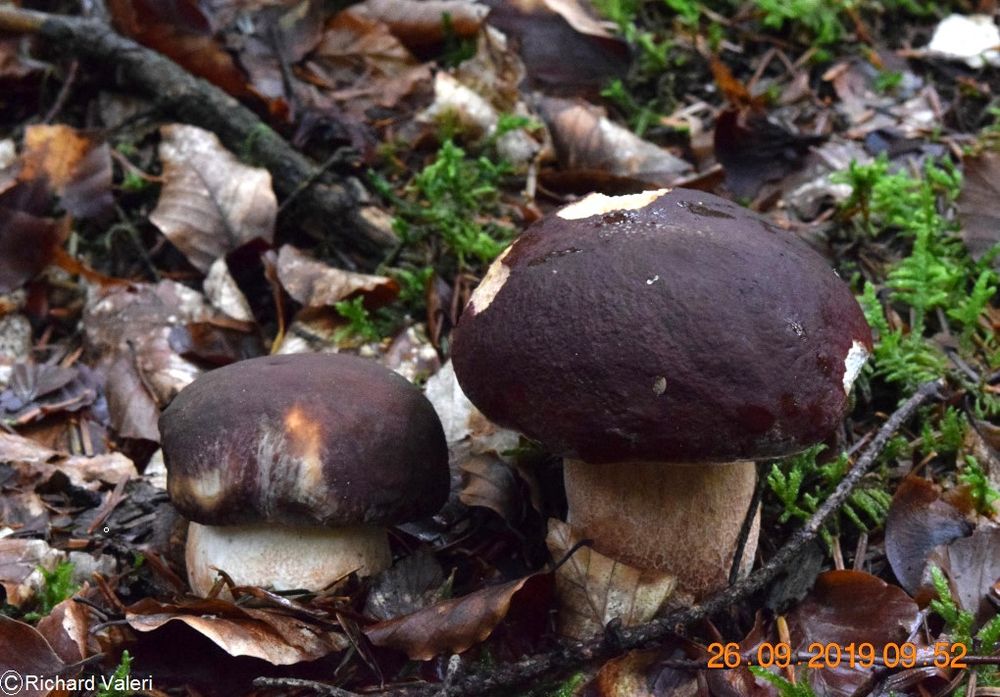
77, 166
67, 629
413, 583
24, 651
421, 24
19, 567
271, 636
636, 674
593, 589
314, 284
918, 521
453, 626
977, 204
585, 138
211, 203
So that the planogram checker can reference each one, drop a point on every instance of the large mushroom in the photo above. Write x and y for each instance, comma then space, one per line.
291, 467
661, 342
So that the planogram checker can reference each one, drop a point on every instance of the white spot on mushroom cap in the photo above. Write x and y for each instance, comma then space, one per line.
856, 358
598, 204
659, 385
491, 284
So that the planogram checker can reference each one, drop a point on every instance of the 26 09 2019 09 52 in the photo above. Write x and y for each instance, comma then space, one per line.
818, 655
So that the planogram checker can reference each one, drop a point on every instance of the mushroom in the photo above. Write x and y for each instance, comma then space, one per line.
661, 342
291, 467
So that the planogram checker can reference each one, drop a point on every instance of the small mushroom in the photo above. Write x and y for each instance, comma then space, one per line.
291, 467
661, 342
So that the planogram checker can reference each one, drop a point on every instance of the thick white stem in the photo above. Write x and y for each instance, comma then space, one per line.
283, 557
683, 519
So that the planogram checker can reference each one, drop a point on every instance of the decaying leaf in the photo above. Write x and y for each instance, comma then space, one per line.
845, 607
421, 24
274, 637
973, 565
919, 521
28, 240
26, 652
36, 390
453, 626
211, 203
594, 589
19, 567
224, 294
413, 583
636, 674
77, 167
181, 31
314, 284
585, 138
977, 204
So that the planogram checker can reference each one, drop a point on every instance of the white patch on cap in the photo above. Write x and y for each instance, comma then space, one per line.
856, 358
597, 204
205, 487
491, 284
659, 385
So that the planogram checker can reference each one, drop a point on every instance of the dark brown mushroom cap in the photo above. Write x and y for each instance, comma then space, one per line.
305, 438
684, 328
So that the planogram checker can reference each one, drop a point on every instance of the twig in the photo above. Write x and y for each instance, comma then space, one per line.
333, 206
569, 655
748, 521
320, 688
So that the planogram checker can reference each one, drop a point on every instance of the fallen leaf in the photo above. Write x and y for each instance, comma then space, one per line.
28, 241
593, 589
85, 472
77, 166
421, 24
314, 284
26, 652
271, 636
585, 138
453, 626
755, 151
19, 567
182, 32
565, 51
489, 482
224, 294
973, 565
845, 607
210, 203
67, 629
977, 204
638, 674
919, 521
413, 583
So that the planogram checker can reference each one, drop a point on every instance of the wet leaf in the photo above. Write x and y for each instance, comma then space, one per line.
39, 463
586, 139
637, 674
67, 629
26, 652
919, 521
210, 203
38, 390
314, 284
594, 589
453, 626
271, 636
846, 607
977, 204
77, 166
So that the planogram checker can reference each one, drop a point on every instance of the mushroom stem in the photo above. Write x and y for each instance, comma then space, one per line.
683, 519
283, 557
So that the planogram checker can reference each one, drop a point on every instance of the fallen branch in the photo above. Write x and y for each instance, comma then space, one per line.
333, 205
572, 655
